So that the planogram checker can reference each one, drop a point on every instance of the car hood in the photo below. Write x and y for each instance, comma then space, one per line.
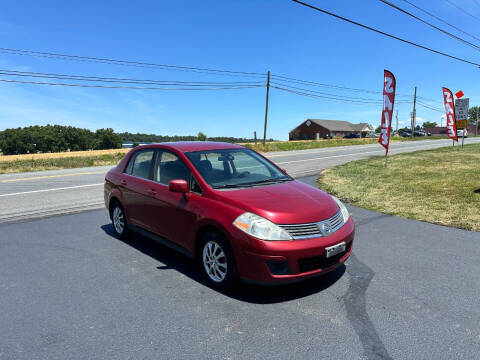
291, 202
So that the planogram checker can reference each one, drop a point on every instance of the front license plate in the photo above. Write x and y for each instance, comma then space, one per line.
334, 250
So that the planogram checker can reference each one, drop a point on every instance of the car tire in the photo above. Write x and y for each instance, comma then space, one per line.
216, 261
119, 220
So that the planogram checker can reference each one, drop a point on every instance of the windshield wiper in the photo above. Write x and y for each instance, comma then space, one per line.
270, 181
231, 186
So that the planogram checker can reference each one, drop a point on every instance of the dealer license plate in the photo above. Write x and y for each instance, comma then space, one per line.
335, 249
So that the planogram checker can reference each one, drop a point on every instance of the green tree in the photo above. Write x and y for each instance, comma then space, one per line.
472, 115
429, 124
201, 136
107, 139
378, 129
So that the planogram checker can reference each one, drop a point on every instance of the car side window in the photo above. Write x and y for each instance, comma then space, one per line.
194, 187
170, 167
128, 169
143, 164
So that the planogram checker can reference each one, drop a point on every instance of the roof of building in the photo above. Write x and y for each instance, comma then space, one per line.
362, 127
340, 125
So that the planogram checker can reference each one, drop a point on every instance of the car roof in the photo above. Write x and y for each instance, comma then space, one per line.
187, 146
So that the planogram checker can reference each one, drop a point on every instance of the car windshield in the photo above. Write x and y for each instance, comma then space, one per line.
235, 168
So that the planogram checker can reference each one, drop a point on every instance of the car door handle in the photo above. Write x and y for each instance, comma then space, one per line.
151, 192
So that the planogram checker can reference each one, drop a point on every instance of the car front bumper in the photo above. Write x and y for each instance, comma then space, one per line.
272, 262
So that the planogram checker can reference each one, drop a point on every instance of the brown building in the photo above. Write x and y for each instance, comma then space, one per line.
315, 129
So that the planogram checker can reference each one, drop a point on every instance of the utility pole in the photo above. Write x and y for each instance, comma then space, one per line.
411, 121
414, 114
266, 109
476, 126
396, 125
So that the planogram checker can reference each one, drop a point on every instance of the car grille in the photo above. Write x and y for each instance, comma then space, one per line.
321, 262
305, 231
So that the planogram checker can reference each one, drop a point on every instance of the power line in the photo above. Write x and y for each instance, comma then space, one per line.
386, 34
430, 100
440, 19
476, 2
128, 63
338, 97
122, 80
127, 87
208, 85
324, 97
476, 47
462, 10
323, 93
430, 107
333, 98
338, 87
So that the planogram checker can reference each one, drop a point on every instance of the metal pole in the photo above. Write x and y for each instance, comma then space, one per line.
396, 126
255, 137
414, 119
266, 109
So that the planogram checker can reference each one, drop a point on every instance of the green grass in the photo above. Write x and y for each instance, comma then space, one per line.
56, 163
440, 186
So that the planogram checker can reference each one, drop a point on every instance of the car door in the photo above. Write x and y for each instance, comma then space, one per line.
137, 185
171, 215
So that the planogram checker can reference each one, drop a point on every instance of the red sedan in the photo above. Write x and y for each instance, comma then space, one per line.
234, 211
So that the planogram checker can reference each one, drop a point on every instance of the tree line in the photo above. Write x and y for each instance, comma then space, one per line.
57, 138
139, 138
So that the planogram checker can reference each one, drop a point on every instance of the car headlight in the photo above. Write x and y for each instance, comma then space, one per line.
343, 209
260, 227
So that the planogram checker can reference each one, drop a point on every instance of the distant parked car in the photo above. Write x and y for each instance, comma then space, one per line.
233, 210
405, 134
352, 136
419, 133
462, 133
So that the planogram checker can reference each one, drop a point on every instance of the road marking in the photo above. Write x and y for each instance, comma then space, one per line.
352, 154
396, 144
51, 176
47, 190
318, 150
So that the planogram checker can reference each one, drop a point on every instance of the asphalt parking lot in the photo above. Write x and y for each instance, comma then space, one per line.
69, 289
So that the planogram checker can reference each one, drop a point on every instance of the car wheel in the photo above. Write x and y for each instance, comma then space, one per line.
119, 221
216, 261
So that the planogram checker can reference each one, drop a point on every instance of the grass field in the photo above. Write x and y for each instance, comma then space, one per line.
440, 186
75, 159
55, 161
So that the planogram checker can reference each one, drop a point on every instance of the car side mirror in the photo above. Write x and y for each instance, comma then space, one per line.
180, 186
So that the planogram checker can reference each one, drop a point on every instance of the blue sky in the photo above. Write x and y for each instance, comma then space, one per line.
243, 35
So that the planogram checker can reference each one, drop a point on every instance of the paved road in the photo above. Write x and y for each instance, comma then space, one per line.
70, 290
24, 196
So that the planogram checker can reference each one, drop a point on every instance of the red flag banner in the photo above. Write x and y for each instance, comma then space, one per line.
450, 112
389, 85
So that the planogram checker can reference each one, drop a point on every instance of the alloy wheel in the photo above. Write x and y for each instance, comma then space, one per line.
214, 261
118, 220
